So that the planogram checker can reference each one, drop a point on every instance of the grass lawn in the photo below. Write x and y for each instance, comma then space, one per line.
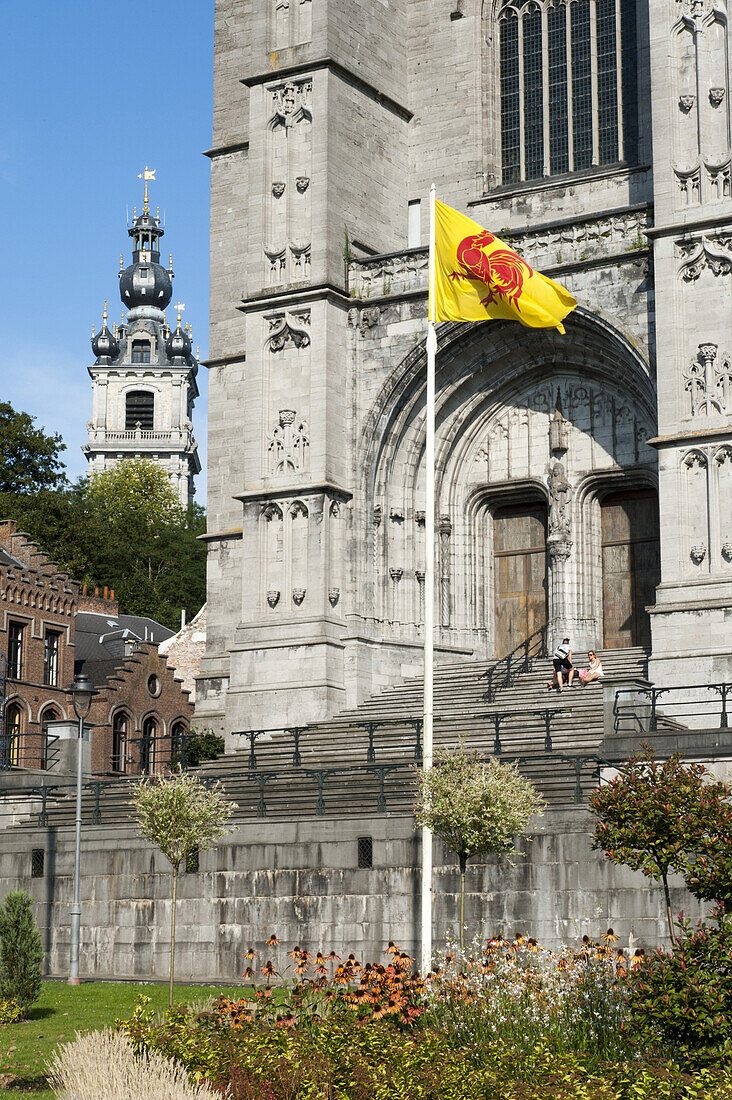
63, 1010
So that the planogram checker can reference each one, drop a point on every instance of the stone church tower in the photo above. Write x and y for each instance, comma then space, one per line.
144, 375
584, 481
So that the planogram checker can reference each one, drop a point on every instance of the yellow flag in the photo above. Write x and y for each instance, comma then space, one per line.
477, 277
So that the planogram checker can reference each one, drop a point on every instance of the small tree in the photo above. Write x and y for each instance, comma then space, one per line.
21, 951
663, 816
181, 816
474, 806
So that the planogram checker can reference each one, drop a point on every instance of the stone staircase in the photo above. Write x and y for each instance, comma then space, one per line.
360, 761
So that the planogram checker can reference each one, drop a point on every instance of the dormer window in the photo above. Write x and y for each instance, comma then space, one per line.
139, 409
140, 351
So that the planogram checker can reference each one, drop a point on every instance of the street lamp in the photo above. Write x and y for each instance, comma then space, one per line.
82, 692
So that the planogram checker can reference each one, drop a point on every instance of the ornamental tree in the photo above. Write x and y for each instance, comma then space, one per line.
475, 806
21, 950
29, 459
181, 816
664, 816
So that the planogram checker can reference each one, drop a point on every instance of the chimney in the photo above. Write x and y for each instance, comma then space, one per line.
104, 605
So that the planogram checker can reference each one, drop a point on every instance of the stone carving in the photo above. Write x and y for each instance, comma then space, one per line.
419, 518
378, 515
273, 597
692, 10
271, 511
708, 381
559, 538
558, 431
334, 594
695, 460
335, 509
278, 189
302, 183
288, 444
300, 260
718, 174
689, 181
292, 101
686, 102
716, 95
277, 258
727, 549
364, 319
396, 514
702, 252
396, 574
593, 237
298, 595
288, 330
698, 553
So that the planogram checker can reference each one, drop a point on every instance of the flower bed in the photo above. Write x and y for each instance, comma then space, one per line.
507, 1021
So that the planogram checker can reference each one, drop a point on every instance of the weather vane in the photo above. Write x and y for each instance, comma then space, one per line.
148, 174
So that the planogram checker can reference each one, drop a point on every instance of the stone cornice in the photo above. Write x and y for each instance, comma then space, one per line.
674, 229
299, 490
221, 150
344, 74
298, 296
696, 435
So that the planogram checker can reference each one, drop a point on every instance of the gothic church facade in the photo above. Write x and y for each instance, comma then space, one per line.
584, 481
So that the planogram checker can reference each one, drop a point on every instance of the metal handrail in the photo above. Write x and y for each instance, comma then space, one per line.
637, 707
521, 659
273, 789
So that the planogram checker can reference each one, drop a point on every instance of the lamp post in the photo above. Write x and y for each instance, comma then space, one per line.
82, 692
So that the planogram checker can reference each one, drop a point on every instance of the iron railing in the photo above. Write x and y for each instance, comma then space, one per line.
287, 792
521, 659
652, 709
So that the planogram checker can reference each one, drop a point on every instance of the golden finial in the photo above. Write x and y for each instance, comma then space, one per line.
93, 327
114, 328
121, 262
105, 314
165, 321
157, 213
170, 262
180, 307
198, 351
148, 174
134, 213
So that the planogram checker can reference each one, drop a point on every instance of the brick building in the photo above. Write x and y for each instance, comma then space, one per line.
49, 630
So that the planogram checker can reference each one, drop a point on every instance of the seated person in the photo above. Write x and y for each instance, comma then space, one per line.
562, 662
593, 671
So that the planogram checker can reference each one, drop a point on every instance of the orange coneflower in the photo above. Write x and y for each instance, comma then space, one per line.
248, 973
250, 953
272, 941
269, 969
392, 949
295, 951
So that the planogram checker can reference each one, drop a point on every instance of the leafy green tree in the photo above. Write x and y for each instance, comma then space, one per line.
661, 816
29, 459
474, 806
200, 746
180, 815
126, 529
21, 951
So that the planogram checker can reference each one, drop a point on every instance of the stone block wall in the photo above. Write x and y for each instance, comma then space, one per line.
302, 880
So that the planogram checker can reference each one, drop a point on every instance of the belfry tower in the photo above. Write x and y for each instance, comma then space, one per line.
144, 374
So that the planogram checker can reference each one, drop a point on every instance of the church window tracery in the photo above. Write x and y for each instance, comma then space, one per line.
567, 86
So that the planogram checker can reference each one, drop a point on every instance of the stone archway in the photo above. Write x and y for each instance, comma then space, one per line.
520, 414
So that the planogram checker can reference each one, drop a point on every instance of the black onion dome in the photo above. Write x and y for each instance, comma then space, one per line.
104, 344
145, 283
178, 344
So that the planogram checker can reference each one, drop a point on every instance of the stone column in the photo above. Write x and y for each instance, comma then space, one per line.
445, 530
559, 548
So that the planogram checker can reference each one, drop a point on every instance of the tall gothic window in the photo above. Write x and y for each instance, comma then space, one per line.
568, 86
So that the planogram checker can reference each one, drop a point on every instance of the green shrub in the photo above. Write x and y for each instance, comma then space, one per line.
683, 1001
200, 747
10, 1011
21, 951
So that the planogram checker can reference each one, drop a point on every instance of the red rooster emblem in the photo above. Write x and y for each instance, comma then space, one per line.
503, 271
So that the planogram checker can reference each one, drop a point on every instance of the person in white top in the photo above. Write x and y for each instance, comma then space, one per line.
593, 670
562, 661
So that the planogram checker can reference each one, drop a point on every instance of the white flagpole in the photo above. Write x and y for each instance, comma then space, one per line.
429, 593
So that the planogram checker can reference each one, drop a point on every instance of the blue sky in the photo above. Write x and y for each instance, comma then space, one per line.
92, 92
